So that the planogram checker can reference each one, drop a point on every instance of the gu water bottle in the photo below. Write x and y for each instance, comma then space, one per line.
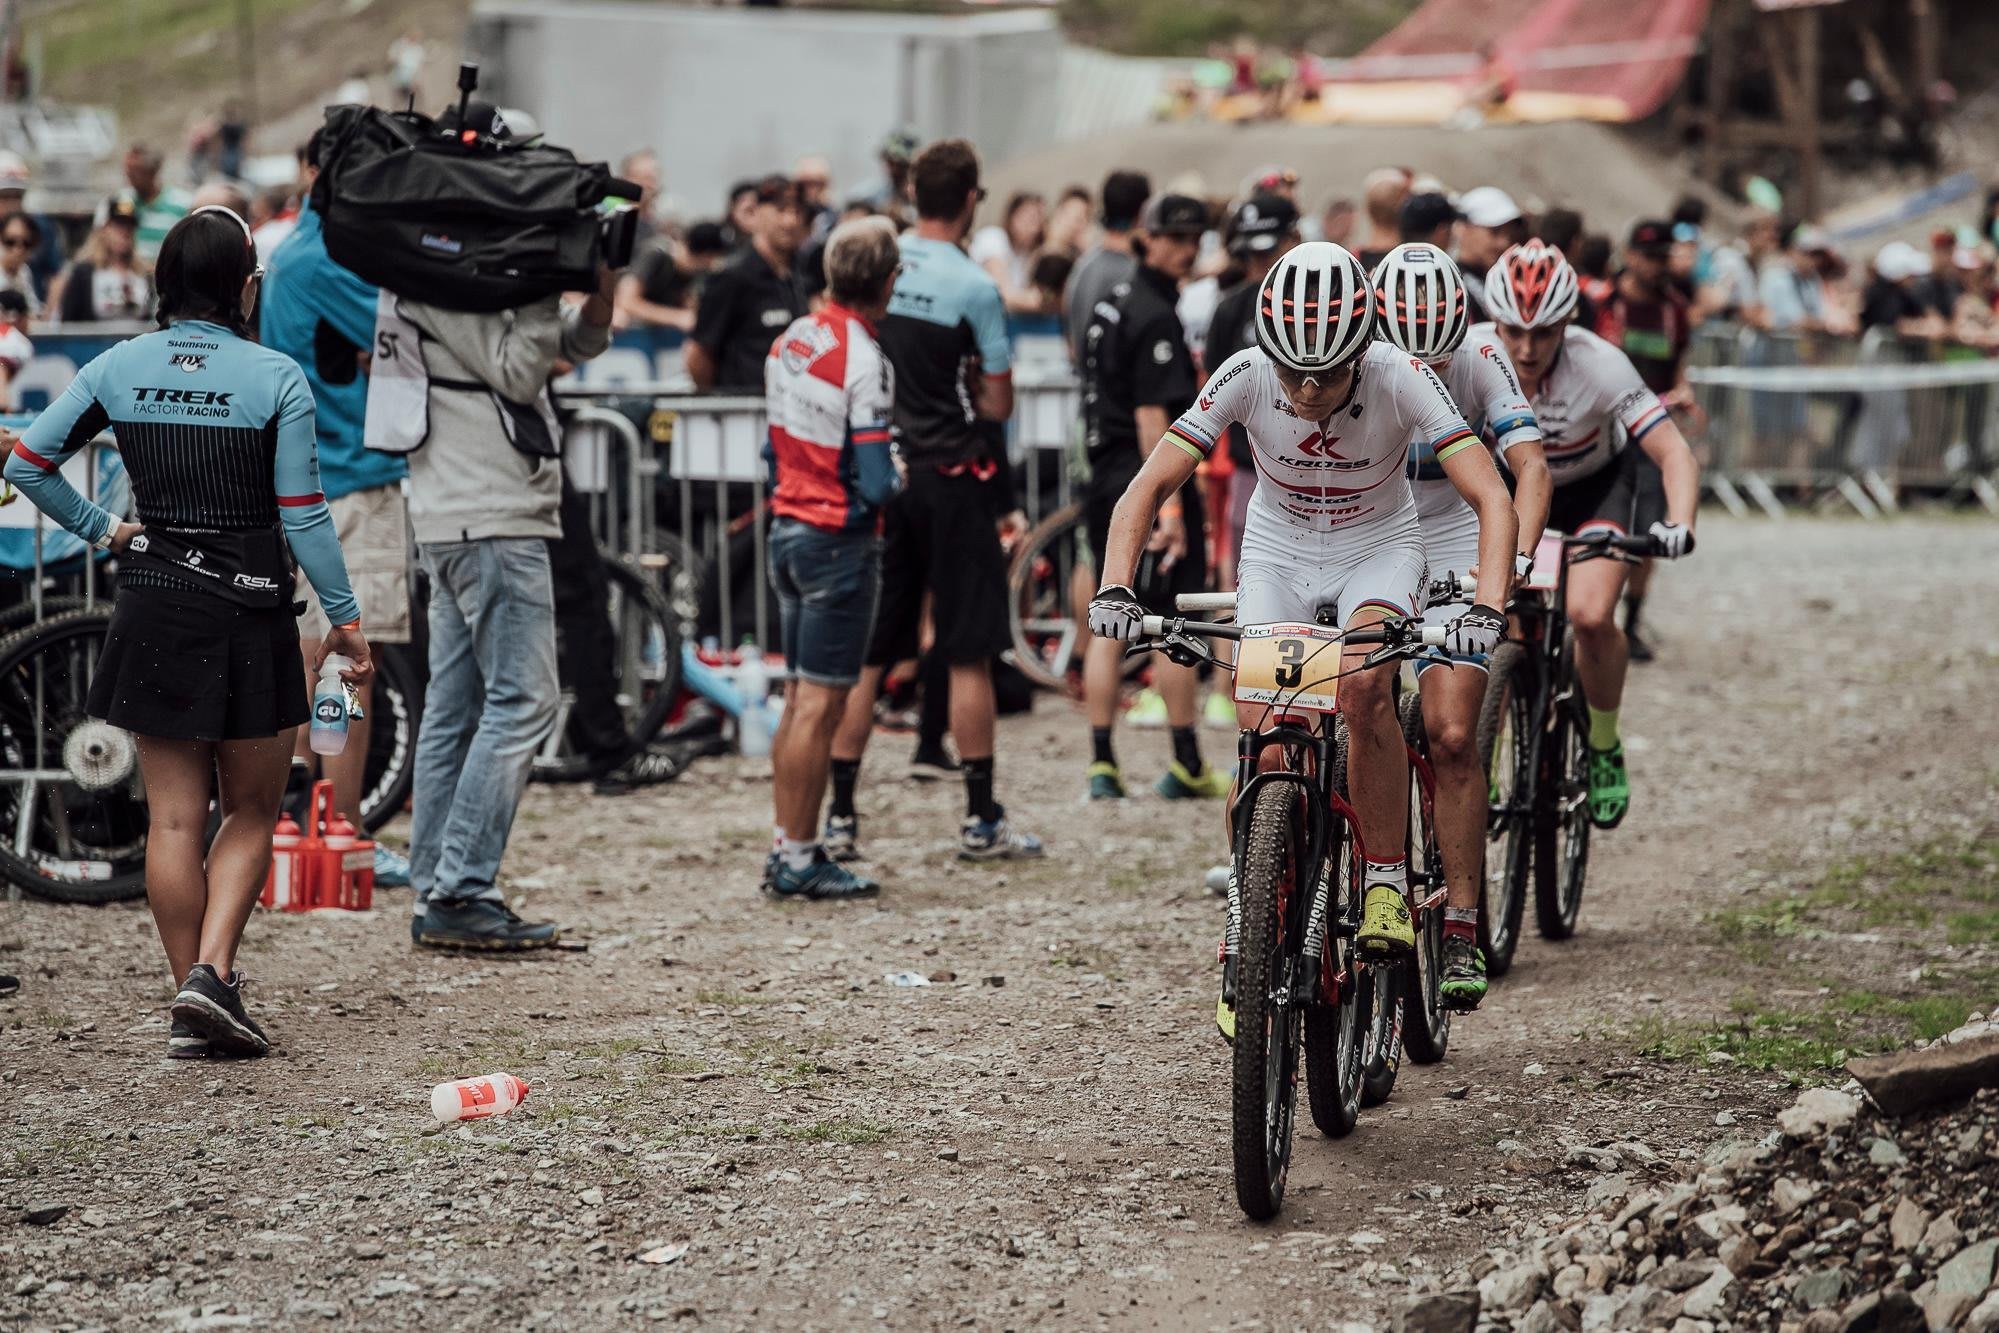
329, 707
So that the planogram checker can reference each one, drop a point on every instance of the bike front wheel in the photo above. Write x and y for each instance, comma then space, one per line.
1506, 753
1264, 1075
1426, 1022
1562, 828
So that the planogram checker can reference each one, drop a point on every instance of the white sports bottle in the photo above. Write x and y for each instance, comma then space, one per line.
753, 683
477, 1098
329, 707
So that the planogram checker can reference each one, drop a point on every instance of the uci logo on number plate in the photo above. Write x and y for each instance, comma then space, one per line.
1293, 666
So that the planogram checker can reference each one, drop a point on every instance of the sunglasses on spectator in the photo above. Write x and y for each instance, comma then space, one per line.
13, 242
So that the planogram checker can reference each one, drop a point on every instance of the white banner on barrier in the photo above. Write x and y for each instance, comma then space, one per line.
719, 442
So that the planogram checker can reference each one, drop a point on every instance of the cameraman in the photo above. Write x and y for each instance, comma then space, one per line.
485, 497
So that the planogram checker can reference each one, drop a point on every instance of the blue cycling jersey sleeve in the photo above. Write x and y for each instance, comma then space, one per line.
307, 518
985, 309
71, 422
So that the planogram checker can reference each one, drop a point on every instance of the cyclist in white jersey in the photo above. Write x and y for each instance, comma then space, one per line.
1329, 414
1423, 312
1596, 415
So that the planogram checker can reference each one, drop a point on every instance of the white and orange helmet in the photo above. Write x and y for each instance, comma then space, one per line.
1531, 287
1315, 311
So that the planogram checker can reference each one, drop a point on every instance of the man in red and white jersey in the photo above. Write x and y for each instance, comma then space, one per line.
1329, 414
830, 394
1598, 420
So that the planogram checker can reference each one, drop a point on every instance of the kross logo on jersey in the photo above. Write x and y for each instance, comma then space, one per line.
1316, 445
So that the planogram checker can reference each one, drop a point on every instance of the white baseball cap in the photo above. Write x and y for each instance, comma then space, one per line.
1898, 259
1488, 206
14, 173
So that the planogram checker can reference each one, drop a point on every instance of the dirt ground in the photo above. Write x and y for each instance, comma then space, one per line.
1040, 1136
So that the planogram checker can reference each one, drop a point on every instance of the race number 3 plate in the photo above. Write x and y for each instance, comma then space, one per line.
1294, 666
1547, 562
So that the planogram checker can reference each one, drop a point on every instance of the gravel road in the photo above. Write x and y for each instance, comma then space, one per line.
1039, 1136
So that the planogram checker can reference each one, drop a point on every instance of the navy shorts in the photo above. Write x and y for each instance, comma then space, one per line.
827, 584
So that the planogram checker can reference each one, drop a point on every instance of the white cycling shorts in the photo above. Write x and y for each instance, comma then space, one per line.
1276, 582
1451, 543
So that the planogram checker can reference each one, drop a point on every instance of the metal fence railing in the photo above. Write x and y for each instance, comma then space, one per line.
1861, 421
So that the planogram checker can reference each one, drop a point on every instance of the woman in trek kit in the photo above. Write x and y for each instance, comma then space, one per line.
202, 661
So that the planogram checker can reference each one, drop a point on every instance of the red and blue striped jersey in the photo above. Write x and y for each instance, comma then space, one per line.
830, 395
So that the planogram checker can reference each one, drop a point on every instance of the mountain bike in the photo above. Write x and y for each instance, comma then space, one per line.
1533, 737
1291, 971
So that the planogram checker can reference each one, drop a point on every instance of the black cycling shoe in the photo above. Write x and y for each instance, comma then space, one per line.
482, 923
184, 1043
213, 1008
1640, 650
8, 985
824, 879
647, 768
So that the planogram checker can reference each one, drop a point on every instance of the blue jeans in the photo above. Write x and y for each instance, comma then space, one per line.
492, 699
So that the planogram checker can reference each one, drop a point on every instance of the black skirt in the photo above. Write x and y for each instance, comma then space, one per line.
189, 666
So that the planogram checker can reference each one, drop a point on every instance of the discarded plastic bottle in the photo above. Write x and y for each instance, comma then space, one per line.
329, 707
477, 1098
753, 683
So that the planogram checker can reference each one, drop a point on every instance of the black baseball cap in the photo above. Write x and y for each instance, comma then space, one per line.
1175, 215
1261, 224
1651, 236
1423, 213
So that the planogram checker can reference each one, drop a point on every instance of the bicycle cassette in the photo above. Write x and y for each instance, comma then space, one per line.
99, 756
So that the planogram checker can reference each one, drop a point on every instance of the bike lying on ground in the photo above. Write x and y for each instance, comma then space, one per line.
1299, 991
1533, 737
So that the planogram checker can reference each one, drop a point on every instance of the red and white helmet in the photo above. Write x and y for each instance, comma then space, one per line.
1315, 311
1422, 300
1531, 287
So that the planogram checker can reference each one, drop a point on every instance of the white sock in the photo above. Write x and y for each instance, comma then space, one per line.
1387, 872
797, 852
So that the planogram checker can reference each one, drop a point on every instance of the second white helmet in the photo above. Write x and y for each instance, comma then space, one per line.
1315, 311
1422, 300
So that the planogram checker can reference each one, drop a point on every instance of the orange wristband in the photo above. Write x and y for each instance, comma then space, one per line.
352, 624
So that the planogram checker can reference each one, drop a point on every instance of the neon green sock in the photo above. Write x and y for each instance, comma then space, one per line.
1602, 729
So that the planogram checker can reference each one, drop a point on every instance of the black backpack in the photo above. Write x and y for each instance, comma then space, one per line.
475, 226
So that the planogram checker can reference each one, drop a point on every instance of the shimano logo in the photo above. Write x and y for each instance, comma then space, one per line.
441, 243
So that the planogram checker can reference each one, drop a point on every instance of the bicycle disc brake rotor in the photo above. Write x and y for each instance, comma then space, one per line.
99, 756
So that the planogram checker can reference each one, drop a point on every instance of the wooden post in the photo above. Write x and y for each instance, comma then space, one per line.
1811, 143
1720, 86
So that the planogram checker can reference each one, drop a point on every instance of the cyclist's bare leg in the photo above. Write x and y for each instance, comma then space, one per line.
1179, 686
1602, 656
251, 782
1103, 679
179, 775
1451, 697
973, 717
857, 720
1377, 763
799, 755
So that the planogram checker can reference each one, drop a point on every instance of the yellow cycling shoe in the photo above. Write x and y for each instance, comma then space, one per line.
1177, 784
1225, 1019
1385, 928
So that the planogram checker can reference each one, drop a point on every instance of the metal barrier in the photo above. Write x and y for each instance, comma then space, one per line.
1859, 420
102, 479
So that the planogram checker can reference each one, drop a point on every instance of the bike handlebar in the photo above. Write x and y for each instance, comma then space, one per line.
1607, 539
1204, 601
1446, 589
1391, 633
